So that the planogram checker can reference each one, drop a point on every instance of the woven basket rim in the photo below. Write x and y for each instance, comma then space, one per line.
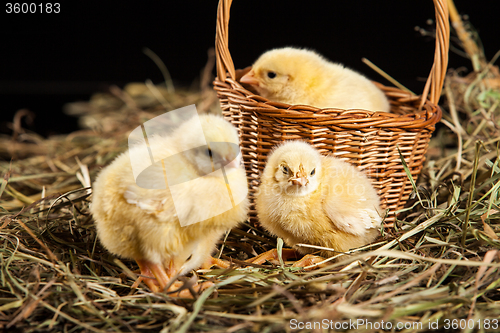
427, 116
435, 80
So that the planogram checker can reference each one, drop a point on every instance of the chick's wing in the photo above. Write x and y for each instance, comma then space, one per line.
188, 202
349, 199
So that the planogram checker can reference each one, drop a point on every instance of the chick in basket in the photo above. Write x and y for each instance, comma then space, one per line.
299, 76
308, 198
144, 224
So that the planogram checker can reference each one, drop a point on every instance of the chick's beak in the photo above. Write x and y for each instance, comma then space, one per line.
300, 177
300, 181
249, 78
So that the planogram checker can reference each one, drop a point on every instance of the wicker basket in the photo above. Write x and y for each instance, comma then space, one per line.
367, 139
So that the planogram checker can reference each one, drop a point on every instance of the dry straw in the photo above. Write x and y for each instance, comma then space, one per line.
367, 139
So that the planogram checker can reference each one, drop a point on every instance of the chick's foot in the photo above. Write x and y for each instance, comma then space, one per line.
188, 292
156, 277
272, 256
309, 260
153, 275
211, 261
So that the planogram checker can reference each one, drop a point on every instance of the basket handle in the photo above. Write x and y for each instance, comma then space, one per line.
434, 83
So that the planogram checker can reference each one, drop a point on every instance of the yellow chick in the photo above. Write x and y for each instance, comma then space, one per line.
308, 198
298, 76
172, 228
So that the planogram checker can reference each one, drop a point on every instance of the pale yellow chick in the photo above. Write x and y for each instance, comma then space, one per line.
299, 76
145, 224
308, 198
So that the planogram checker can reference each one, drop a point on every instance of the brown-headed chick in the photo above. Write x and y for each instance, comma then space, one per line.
299, 76
144, 224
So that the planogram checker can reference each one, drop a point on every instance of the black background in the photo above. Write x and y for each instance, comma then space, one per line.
48, 60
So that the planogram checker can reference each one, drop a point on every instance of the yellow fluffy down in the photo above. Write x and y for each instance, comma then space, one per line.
337, 209
304, 77
138, 223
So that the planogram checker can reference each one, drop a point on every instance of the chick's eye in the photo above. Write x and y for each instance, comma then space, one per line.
285, 170
271, 75
313, 172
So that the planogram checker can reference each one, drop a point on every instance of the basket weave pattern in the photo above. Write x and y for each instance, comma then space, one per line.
366, 139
